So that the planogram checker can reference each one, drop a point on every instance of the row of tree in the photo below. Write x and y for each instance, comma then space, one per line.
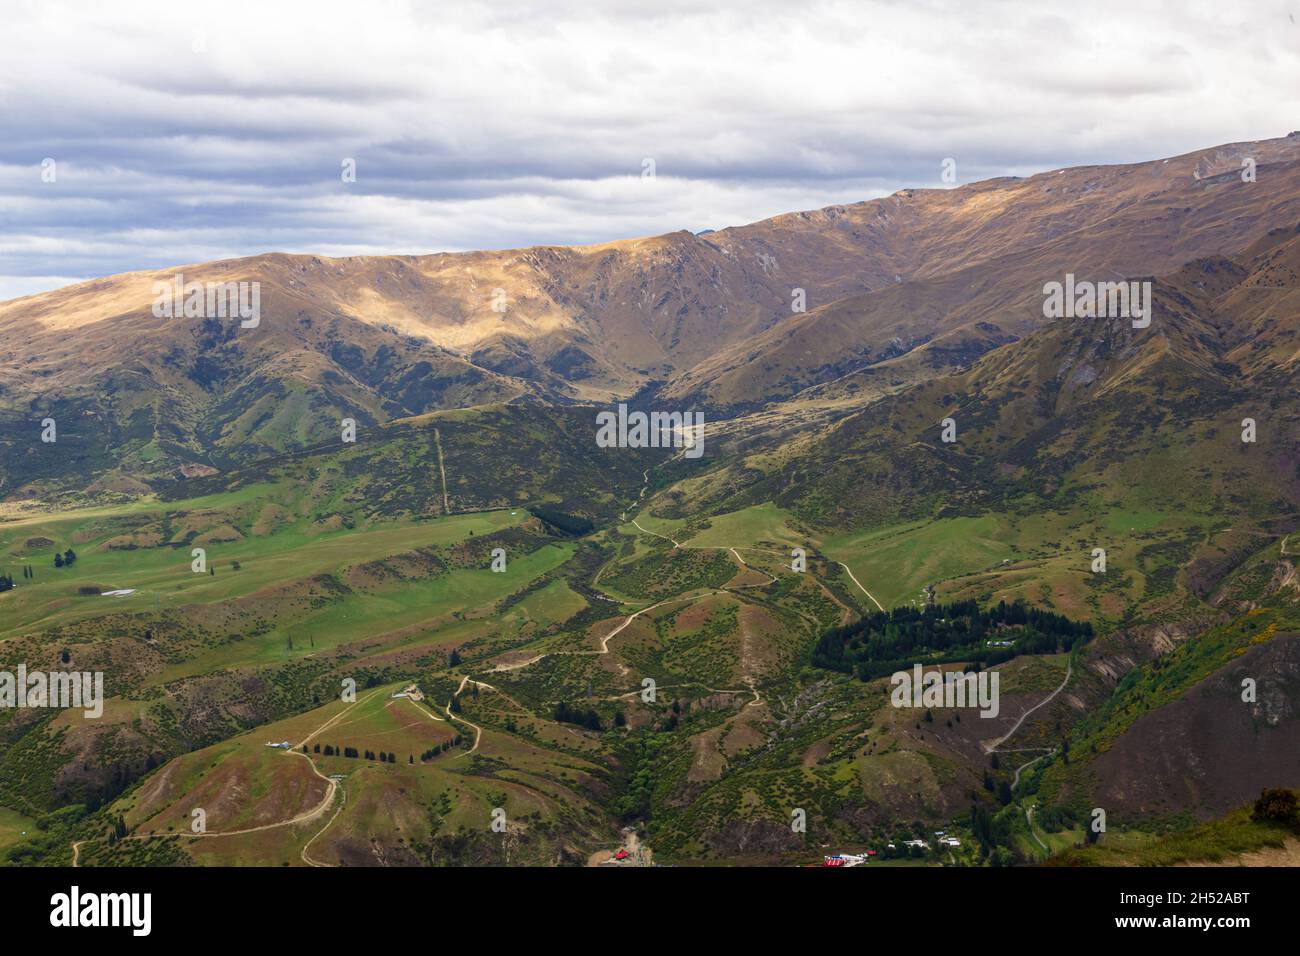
441, 748
329, 750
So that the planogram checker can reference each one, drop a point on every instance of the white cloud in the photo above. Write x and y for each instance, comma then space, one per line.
216, 129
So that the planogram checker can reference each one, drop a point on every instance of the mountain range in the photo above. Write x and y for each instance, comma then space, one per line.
885, 397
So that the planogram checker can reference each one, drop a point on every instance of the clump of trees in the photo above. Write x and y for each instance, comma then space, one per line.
887, 641
566, 714
574, 525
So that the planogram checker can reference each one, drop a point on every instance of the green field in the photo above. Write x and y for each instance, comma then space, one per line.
13, 827
162, 576
895, 563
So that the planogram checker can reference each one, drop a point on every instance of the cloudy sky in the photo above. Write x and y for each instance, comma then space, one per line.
183, 132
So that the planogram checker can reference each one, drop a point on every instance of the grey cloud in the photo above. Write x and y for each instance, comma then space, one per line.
507, 124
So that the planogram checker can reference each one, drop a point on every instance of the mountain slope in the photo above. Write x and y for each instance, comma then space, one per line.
982, 284
919, 282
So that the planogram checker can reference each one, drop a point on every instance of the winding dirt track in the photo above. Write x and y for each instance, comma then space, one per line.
333, 786
996, 745
993, 748
604, 641
478, 731
675, 542
735, 553
859, 584
1029, 819
304, 817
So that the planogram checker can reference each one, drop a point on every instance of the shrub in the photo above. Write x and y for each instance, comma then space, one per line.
1275, 804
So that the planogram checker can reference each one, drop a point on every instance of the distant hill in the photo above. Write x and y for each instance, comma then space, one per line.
896, 289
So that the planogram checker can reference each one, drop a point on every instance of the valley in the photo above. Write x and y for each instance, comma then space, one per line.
462, 631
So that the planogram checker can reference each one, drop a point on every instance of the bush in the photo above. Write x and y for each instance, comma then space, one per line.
1276, 804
